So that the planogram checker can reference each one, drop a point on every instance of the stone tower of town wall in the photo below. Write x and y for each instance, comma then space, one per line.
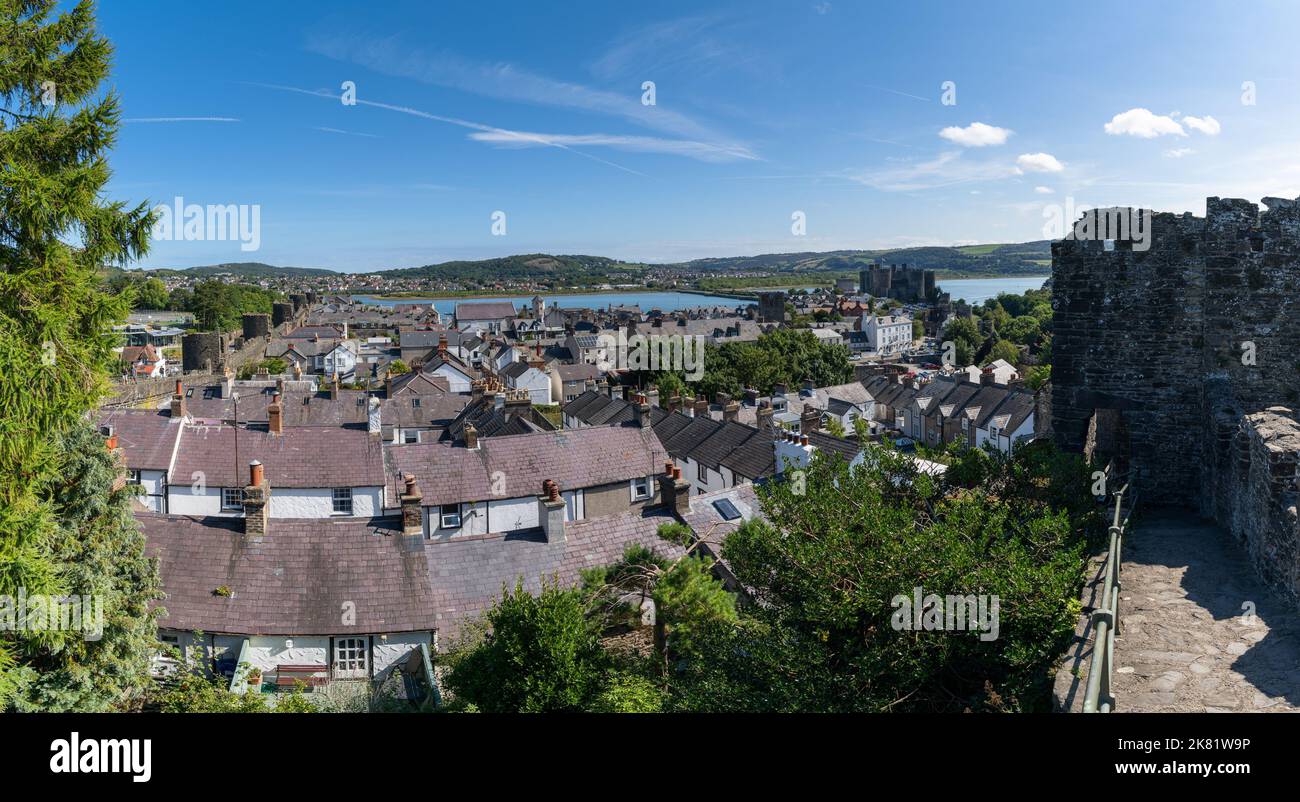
1193, 345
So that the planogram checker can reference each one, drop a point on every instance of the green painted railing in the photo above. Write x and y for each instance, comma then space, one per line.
1105, 618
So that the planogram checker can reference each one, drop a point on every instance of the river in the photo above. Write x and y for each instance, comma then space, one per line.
973, 290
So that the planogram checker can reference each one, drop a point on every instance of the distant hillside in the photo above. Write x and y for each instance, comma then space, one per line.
1026, 258
563, 269
244, 270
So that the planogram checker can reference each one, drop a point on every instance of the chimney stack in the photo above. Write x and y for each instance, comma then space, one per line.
412, 512
334, 387
702, 407
764, 417
731, 412
257, 497
674, 492
988, 377
374, 424
642, 412
297, 371
471, 437
442, 345
688, 406
275, 415
810, 419
674, 403
178, 401
550, 512
388, 384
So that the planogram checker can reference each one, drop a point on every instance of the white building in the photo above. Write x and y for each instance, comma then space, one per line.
887, 334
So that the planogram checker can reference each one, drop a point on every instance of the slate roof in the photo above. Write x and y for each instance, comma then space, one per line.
147, 437
467, 574
298, 407
295, 581
485, 310
574, 458
303, 456
718, 446
579, 372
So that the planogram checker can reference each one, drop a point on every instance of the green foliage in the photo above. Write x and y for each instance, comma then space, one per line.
783, 356
825, 567
273, 365
99, 552
1003, 349
219, 306
55, 323
397, 367
541, 655
1037, 376
191, 691
629, 693
689, 600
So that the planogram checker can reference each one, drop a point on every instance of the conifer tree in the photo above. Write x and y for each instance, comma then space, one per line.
57, 232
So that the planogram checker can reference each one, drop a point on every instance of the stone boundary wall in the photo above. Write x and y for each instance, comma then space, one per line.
128, 393
1254, 494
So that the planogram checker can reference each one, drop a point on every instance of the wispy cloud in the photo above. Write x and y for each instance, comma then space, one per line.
328, 130
181, 120
702, 151
945, 170
448, 120
695, 46
504, 81
897, 92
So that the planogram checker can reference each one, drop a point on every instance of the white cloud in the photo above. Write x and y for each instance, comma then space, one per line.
1178, 153
1039, 163
1206, 125
1142, 123
976, 135
1044, 190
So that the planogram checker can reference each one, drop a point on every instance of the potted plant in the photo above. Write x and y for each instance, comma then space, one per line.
255, 677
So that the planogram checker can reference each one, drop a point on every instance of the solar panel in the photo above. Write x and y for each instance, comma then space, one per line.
726, 509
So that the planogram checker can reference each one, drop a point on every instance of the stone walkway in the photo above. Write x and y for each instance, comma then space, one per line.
1188, 641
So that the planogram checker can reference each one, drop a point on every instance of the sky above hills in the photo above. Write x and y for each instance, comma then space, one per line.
762, 111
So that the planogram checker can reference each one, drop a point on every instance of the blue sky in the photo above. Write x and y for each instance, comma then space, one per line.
762, 109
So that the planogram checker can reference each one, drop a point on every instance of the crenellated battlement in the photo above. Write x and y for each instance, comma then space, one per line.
1184, 341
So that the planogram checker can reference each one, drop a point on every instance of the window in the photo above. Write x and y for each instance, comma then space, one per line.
726, 509
702, 472
410, 436
350, 658
232, 498
415, 403
342, 501
449, 516
640, 488
132, 477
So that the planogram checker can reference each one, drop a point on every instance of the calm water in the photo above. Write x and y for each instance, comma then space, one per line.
973, 290
667, 301
979, 290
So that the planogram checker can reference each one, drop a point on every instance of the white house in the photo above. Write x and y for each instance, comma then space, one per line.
887, 334
531, 376
312, 471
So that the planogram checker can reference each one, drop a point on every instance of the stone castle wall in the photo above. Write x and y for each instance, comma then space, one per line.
1190, 342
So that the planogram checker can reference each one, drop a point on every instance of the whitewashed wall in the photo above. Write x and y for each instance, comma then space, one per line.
285, 502
388, 652
267, 651
319, 502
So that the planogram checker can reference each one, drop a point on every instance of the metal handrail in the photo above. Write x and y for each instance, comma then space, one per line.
1105, 618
